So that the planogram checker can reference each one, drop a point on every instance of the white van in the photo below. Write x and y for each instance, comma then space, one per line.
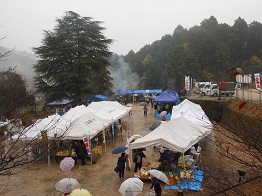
199, 86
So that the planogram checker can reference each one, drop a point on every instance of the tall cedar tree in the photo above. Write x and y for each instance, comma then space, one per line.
74, 59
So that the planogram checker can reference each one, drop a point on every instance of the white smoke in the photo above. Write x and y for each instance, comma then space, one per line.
123, 76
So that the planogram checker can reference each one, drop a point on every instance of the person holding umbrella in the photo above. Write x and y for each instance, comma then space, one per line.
121, 165
156, 186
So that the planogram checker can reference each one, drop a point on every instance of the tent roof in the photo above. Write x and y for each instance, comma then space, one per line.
154, 91
77, 112
167, 97
60, 102
124, 92
178, 134
86, 124
191, 111
97, 98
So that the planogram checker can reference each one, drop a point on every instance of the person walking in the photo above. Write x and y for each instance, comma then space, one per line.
121, 162
145, 110
156, 186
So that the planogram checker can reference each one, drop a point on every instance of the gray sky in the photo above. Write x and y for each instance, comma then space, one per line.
131, 23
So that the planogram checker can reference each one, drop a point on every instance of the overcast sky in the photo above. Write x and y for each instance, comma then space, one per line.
131, 23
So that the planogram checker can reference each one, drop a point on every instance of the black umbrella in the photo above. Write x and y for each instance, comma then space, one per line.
119, 149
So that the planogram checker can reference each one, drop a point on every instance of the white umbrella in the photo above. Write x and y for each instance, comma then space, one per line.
134, 137
131, 187
159, 175
67, 163
67, 185
163, 113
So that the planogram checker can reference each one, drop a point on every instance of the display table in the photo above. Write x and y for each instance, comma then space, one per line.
188, 181
153, 164
142, 174
62, 154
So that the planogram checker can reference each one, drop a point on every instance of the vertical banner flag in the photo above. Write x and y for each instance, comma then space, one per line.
187, 82
257, 81
86, 142
104, 136
44, 140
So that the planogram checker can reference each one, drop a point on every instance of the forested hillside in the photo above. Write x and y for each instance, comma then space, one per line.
203, 52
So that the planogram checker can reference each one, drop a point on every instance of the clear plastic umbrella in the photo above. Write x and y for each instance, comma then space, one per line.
67, 185
159, 175
67, 163
131, 187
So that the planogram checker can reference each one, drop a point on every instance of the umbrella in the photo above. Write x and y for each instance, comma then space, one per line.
67, 185
163, 113
67, 163
143, 104
134, 137
131, 187
80, 192
159, 175
119, 149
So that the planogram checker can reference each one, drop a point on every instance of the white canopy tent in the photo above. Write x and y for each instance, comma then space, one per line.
101, 104
54, 124
77, 112
178, 134
192, 112
77, 121
86, 124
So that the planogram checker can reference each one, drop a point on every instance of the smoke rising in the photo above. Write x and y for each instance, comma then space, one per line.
123, 76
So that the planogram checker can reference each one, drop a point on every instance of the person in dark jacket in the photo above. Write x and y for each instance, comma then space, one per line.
82, 154
138, 160
156, 186
121, 165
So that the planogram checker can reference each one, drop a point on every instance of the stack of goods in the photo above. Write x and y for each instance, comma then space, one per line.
186, 174
97, 151
143, 174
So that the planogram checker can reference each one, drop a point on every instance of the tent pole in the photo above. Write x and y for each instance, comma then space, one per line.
104, 138
131, 162
184, 160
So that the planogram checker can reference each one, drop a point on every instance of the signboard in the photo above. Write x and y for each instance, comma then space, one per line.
187, 82
247, 79
257, 81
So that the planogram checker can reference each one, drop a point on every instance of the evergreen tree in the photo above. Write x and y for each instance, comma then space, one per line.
73, 59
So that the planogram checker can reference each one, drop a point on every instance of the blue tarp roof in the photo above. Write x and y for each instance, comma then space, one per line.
154, 91
167, 96
59, 102
97, 98
124, 92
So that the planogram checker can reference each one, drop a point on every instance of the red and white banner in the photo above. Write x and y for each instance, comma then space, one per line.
257, 81
86, 142
187, 82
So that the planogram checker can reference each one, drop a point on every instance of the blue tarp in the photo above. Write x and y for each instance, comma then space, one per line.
59, 102
168, 116
125, 92
97, 98
192, 185
167, 96
154, 91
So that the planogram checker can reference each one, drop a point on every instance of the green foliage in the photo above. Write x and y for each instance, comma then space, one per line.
204, 52
13, 93
74, 59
